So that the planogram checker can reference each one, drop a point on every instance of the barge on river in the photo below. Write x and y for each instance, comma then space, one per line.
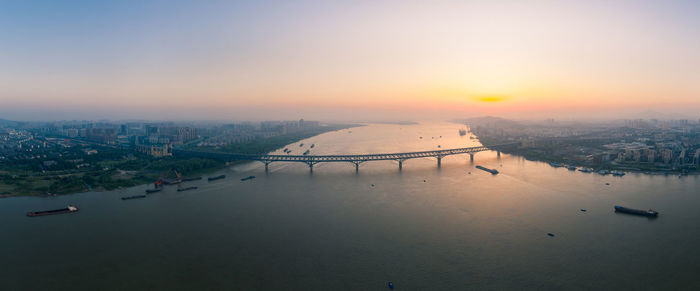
492, 171
649, 213
68, 209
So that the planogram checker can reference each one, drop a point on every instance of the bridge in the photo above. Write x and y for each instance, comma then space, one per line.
311, 160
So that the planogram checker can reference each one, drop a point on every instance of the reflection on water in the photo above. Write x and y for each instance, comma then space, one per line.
424, 228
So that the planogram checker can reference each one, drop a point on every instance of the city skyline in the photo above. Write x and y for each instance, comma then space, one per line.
388, 60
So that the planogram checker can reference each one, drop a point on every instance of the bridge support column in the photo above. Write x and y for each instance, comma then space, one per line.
311, 167
400, 164
471, 157
357, 167
267, 164
439, 158
498, 154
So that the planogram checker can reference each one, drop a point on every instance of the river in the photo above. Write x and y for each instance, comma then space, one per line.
423, 228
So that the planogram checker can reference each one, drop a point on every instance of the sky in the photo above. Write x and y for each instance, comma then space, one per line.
352, 60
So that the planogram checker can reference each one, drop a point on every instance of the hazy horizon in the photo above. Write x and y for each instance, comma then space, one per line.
394, 60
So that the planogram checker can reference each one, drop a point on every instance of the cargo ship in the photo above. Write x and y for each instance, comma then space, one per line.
248, 178
68, 209
133, 197
187, 189
216, 178
149, 191
492, 171
650, 212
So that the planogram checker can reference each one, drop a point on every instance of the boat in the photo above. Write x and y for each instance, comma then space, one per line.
618, 173
438, 146
187, 189
571, 167
391, 285
492, 171
248, 178
585, 170
462, 132
216, 178
133, 197
149, 191
650, 212
68, 209
312, 145
306, 152
603, 172
555, 164
191, 179
301, 145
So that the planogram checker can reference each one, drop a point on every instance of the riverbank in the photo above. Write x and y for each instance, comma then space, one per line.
124, 169
548, 155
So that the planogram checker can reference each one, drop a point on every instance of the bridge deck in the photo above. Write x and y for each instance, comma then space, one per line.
311, 159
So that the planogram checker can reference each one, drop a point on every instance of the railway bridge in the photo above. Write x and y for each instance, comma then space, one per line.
311, 160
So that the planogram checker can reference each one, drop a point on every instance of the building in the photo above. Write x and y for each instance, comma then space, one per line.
155, 150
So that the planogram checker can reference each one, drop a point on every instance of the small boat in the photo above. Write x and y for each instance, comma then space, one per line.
391, 285
492, 171
301, 145
550, 234
603, 172
306, 152
312, 145
571, 167
618, 173
248, 178
68, 209
556, 165
149, 191
585, 170
191, 179
133, 197
187, 189
462, 132
439, 146
216, 178
650, 212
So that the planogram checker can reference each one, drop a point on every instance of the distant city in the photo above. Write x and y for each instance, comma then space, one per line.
61, 157
636, 145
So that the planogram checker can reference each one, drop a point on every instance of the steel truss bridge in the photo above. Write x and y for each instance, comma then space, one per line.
311, 160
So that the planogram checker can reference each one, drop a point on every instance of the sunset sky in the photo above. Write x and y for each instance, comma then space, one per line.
359, 60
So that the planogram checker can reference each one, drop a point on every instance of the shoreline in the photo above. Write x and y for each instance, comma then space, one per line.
195, 173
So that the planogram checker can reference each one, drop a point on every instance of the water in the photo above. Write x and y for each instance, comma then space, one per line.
461, 229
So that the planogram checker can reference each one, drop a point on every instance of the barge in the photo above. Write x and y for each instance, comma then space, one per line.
649, 213
492, 171
216, 178
248, 178
187, 189
68, 209
133, 197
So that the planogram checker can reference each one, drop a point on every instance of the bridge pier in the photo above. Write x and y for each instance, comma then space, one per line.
498, 154
471, 157
439, 160
267, 164
357, 166
400, 164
